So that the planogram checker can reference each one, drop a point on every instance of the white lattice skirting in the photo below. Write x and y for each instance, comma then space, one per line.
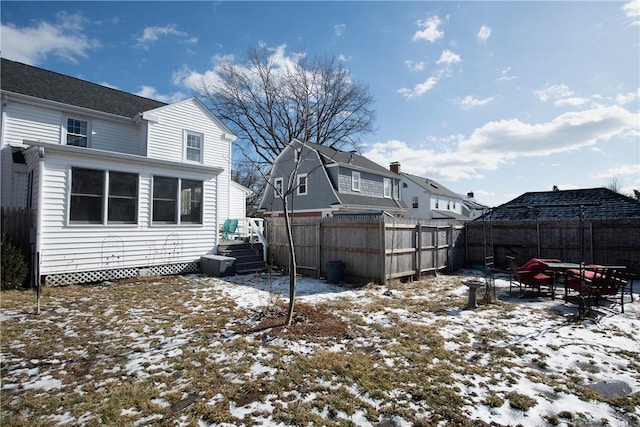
120, 273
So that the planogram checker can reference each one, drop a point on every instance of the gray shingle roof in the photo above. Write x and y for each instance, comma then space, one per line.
40, 83
349, 159
432, 186
596, 203
378, 202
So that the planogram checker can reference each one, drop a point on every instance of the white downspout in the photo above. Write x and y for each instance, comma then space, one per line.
38, 251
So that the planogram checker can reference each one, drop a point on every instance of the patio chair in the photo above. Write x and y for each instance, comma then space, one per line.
600, 283
534, 275
230, 228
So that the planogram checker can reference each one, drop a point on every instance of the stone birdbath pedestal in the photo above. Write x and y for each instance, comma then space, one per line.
473, 285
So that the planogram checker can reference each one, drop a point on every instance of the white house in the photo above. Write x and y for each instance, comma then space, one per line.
428, 199
119, 185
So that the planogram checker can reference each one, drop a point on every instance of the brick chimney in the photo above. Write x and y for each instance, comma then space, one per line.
395, 167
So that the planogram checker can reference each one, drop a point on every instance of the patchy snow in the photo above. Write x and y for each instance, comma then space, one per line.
591, 347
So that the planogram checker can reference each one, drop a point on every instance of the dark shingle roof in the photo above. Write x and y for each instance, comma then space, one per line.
378, 202
349, 159
40, 83
596, 203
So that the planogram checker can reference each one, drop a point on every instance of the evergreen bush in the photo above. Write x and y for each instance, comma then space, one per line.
14, 267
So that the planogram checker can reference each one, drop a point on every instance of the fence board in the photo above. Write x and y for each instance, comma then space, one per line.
372, 249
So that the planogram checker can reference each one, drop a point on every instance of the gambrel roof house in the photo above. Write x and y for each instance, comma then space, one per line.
119, 185
591, 203
331, 181
429, 199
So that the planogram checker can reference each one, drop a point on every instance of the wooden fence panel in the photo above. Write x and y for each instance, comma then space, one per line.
17, 224
605, 242
372, 248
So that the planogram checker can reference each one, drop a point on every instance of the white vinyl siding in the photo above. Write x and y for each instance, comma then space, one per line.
87, 247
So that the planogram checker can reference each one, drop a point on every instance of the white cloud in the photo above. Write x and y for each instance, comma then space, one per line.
504, 75
571, 102
470, 102
553, 92
152, 34
629, 169
448, 57
415, 65
484, 34
632, 10
152, 93
497, 142
338, 29
429, 31
344, 58
419, 89
64, 38
625, 98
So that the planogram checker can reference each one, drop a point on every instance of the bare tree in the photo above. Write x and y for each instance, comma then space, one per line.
270, 99
614, 184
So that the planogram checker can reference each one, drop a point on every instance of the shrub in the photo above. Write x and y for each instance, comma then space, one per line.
14, 267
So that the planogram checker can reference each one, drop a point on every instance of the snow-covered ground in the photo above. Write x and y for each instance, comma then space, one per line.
577, 372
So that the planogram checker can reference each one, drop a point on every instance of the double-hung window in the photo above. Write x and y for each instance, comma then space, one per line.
355, 181
414, 202
77, 132
386, 184
302, 184
278, 185
95, 192
87, 196
190, 202
193, 146
170, 193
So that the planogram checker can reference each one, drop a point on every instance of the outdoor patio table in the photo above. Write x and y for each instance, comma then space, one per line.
561, 269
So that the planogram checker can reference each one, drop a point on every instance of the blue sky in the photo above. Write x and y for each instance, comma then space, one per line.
498, 98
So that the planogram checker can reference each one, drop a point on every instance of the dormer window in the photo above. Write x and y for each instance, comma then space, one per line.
193, 146
355, 181
77, 132
386, 183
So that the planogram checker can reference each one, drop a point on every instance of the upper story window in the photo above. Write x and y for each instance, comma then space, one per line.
193, 146
437, 203
355, 181
386, 183
77, 132
414, 202
278, 186
88, 203
302, 184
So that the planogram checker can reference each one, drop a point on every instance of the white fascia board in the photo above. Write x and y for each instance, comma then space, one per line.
60, 106
92, 153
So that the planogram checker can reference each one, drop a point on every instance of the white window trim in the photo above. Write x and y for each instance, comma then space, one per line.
275, 186
306, 185
185, 138
65, 126
386, 188
355, 181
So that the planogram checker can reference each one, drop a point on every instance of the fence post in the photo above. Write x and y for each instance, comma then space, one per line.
419, 251
318, 248
383, 252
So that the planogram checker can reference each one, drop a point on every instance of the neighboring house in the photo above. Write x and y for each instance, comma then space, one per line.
331, 182
428, 199
471, 209
119, 185
587, 204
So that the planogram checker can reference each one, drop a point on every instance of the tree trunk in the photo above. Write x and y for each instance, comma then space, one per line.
292, 261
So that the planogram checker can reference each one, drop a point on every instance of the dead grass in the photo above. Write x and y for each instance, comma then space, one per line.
163, 350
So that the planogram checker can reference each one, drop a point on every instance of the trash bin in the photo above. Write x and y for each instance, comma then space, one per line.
334, 271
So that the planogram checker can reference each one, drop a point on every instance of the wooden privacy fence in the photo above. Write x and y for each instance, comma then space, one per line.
606, 242
17, 225
372, 248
